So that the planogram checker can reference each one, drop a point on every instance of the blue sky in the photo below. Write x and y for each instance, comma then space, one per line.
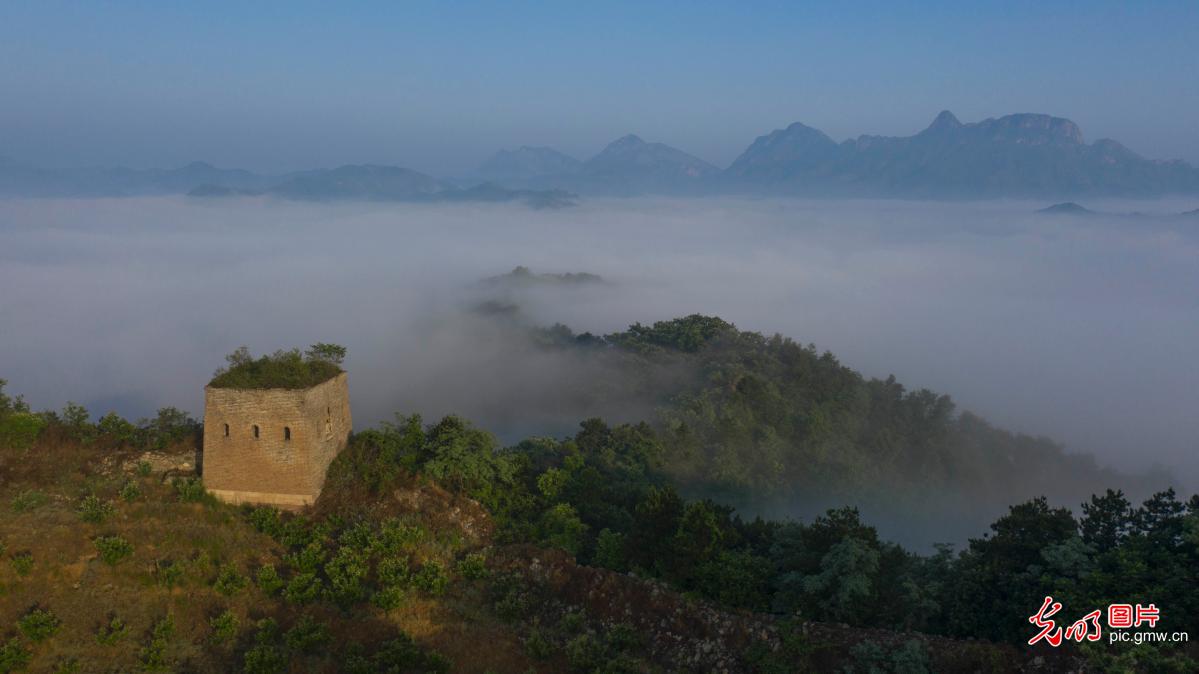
438, 86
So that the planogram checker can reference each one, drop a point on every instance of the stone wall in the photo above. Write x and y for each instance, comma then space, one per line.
299, 432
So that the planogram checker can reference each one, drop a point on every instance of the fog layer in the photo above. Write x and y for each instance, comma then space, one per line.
1083, 329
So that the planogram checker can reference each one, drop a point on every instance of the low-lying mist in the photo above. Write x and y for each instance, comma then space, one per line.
1082, 329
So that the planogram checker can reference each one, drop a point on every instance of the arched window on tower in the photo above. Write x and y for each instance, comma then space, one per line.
226, 430
255, 432
286, 433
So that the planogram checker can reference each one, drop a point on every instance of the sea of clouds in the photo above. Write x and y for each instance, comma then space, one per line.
1083, 329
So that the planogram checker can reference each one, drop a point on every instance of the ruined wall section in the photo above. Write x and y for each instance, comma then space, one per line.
300, 432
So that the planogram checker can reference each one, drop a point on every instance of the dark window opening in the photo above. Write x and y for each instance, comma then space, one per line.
255, 432
226, 430
286, 433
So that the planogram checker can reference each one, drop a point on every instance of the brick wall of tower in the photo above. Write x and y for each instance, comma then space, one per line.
271, 468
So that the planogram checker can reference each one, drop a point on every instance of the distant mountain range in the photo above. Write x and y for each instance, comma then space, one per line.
19, 179
200, 180
1022, 155
391, 183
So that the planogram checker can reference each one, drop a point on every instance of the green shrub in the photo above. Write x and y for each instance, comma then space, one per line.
307, 636
113, 549
38, 624
346, 572
473, 566
22, 563
309, 558
27, 500
10, 405
393, 576
189, 489
512, 599
430, 578
144, 469
169, 426
910, 658
20, 431
168, 572
112, 631
266, 520
360, 536
229, 582
389, 597
584, 653
537, 645
13, 656
304, 588
265, 656
298, 532
154, 654
268, 580
130, 492
94, 509
76, 421
393, 571
609, 550
113, 426
561, 527
69, 666
224, 627
396, 537
572, 622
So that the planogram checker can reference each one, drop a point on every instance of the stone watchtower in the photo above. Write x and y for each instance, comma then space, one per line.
272, 446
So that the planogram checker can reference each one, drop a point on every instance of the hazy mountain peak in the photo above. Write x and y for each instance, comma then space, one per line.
797, 146
1067, 208
944, 120
629, 165
632, 149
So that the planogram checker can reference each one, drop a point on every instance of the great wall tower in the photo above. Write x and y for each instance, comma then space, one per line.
272, 446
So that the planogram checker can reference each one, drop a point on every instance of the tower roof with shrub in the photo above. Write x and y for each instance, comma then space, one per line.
290, 369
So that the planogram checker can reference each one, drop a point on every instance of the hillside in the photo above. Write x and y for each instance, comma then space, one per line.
573, 554
774, 427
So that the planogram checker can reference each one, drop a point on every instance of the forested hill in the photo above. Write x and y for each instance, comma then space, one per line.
779, 428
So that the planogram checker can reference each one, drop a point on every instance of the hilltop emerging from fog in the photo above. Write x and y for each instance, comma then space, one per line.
1020, 155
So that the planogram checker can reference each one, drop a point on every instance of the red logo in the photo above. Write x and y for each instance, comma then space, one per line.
1049, 630
1119, 616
